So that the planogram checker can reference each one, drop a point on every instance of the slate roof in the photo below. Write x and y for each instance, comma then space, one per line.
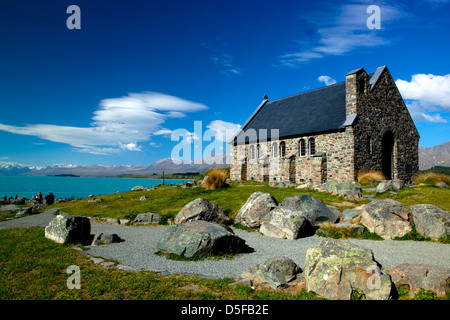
319, 110
314, 111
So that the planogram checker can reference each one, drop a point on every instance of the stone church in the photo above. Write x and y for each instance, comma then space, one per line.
330, 133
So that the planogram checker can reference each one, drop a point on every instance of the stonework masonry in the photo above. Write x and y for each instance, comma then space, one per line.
382, 137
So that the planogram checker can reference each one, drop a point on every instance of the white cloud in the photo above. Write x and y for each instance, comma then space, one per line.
340, 30
132, 146
118, 124
327, 80
419, 113
429, 89
426, 95
163, 132
223, 131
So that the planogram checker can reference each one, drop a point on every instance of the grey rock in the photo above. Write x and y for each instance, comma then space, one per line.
23, 211
313, 209
202, 209
143, 198
256, 209
412, 277
65, 228
388, 218
96, 260
349, 214
394, 185
112, 221
431, 221
335, 268
286, 223
103, 238
276, 272
146, 218
346, 189
200, 238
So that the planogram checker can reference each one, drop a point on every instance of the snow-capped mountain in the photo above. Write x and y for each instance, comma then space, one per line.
167, 165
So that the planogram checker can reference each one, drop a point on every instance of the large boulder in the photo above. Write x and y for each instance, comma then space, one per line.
286, 223
312, 209
388, 218
274, 272
200, 238
202, 209
431, 221
256, 210
412, 277
66, 228
335, 268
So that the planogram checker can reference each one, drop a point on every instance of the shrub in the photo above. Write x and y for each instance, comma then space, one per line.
368, 176
216, 179
430, 178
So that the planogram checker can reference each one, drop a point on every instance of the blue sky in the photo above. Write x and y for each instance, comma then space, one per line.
114, 91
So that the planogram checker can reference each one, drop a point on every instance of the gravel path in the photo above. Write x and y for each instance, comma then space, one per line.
137, 251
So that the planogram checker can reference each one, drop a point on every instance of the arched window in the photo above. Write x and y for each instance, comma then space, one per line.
369, 145
275, 150
282, 149
302, 147
312, 146
258, 151
252, 152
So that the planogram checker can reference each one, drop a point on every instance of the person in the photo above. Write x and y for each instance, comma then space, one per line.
50, 198
39, 197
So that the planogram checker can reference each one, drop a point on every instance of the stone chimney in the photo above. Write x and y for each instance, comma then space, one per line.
356, 83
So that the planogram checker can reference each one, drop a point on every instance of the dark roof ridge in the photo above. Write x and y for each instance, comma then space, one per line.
309, 91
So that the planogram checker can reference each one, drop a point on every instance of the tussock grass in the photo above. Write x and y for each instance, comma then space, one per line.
217, 179
368, 176
331, 230
430, 178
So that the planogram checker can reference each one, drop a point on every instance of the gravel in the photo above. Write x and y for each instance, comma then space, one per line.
137, 251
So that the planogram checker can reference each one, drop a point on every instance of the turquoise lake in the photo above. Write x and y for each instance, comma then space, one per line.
67, 187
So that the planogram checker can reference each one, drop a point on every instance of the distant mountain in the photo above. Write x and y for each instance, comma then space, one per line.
167, 165
434, 156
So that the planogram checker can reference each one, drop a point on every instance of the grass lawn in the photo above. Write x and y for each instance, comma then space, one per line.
33, 267
169, 200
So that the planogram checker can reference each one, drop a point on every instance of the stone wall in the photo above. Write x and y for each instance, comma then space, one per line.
333, 159
381, 111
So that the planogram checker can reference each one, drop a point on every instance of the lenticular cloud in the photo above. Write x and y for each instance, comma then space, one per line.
118, 124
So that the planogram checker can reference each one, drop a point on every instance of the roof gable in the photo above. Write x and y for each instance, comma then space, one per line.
313, 111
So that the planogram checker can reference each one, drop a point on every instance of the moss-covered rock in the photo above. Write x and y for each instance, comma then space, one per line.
335, 268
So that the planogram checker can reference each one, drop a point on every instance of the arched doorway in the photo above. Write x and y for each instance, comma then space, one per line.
387, 150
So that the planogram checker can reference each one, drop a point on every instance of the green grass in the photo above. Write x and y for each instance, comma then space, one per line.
176, 257
33, 267
169, 200
420, 195
331, 231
